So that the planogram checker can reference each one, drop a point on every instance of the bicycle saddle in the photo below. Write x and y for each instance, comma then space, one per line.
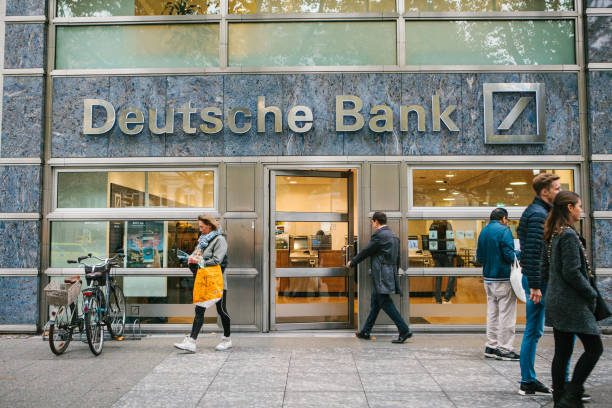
72, 280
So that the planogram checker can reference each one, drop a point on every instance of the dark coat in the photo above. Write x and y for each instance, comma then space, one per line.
383, 248
570, 298
496, 252
530, 232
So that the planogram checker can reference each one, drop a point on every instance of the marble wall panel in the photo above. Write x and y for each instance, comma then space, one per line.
599, 39
25, 7
19, 244
601, 186
417, 89
604, 284
20, 189
318, 92
24, 46
599, 3
202, 91
242, 91
600, 108
373, 89
141, 93
602, 243
68, 139
22, 117
18, 299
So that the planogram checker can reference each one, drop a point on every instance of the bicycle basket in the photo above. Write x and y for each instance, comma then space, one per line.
97, 273
61, 293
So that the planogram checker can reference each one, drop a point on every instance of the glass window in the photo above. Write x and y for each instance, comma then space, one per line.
488, 5
137, 46
446, 243
310, 300
479, 188
124, 189
312, 43
533, 42
463, 301
146, 244
311, 194
108, 8
309, 6
310, 244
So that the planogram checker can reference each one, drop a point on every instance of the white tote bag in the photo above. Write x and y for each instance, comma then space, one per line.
516, 279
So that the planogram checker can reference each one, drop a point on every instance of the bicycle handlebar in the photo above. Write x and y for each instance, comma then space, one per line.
104, 261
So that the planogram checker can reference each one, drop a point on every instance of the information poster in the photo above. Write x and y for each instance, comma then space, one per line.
145, 244
460, 235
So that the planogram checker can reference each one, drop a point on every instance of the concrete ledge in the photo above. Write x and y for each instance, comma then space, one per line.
18, 328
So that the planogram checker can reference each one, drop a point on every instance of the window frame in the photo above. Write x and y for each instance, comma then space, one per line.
133, 213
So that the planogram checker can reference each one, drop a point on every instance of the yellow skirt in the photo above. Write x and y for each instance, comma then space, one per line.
208, 286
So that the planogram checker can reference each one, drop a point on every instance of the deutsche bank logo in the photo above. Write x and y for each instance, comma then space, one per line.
492, 130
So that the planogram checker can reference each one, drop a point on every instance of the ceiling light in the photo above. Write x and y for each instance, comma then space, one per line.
455, 193
485, 203
440, 181
518, 183
293, 182
450, 175
510, 192
442, 189
448, 199
536, 172
508, 188
515, 203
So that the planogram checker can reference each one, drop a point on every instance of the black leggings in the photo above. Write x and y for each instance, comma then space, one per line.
564, 345
198, 321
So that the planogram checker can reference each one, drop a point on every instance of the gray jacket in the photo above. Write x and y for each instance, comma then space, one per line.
383, 248
570, 298
214, 253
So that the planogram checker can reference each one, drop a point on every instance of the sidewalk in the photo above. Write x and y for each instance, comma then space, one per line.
279, 370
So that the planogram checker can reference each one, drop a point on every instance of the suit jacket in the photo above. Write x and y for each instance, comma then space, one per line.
383, 249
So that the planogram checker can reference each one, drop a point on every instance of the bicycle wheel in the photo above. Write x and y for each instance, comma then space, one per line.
94, 327
116, 312
60, 331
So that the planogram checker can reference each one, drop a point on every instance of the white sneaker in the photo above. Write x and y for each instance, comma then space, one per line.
225, 344
188, 344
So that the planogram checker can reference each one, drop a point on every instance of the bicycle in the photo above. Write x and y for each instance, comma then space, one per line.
96, 315
65, 319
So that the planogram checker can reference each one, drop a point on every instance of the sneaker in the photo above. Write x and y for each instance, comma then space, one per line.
363, 336
585, 397
533, 388
188, 344
225, 344
509, 356
402, 338
490, 352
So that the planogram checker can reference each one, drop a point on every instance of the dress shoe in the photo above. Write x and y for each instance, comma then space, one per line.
402, 338
363, 336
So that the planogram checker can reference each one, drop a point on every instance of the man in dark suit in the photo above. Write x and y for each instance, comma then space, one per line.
384, 250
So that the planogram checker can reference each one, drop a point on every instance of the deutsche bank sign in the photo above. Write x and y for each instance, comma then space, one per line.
535, 91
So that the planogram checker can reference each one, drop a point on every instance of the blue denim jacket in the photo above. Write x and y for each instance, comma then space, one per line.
496, 252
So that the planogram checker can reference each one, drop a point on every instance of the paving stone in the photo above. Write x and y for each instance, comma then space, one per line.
474, 382
470, 399
430, 399
223, 399
158, 399
401, 365
301, 399
323, 382
242, 382
404, 382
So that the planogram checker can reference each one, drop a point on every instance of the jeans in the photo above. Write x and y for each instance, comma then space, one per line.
533, 331
450, 287
385, 303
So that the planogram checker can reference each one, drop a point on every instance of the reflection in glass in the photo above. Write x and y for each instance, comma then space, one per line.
146, 244
479, 188
468, 306
446, 243
125, 189
310, 244
108, 8
137, 46
309, 6
312, 43
488, 5
311, 194
534, 42
310, 300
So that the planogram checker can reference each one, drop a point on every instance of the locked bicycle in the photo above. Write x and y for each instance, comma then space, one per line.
103, 302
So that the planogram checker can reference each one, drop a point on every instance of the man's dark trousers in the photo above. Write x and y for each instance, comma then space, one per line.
385, 303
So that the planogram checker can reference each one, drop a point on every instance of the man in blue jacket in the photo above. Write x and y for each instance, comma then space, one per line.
496, 254
530, 232
383, 249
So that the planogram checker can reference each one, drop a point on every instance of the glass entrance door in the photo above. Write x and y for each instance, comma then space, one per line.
312, 236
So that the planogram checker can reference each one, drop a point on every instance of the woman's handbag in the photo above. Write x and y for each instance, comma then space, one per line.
208, 286
602, 310
516, 279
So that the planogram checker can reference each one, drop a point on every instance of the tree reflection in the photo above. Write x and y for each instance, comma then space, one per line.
108, 8
309, 6
488, 5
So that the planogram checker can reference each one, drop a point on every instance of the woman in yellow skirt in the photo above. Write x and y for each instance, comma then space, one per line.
210, 286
